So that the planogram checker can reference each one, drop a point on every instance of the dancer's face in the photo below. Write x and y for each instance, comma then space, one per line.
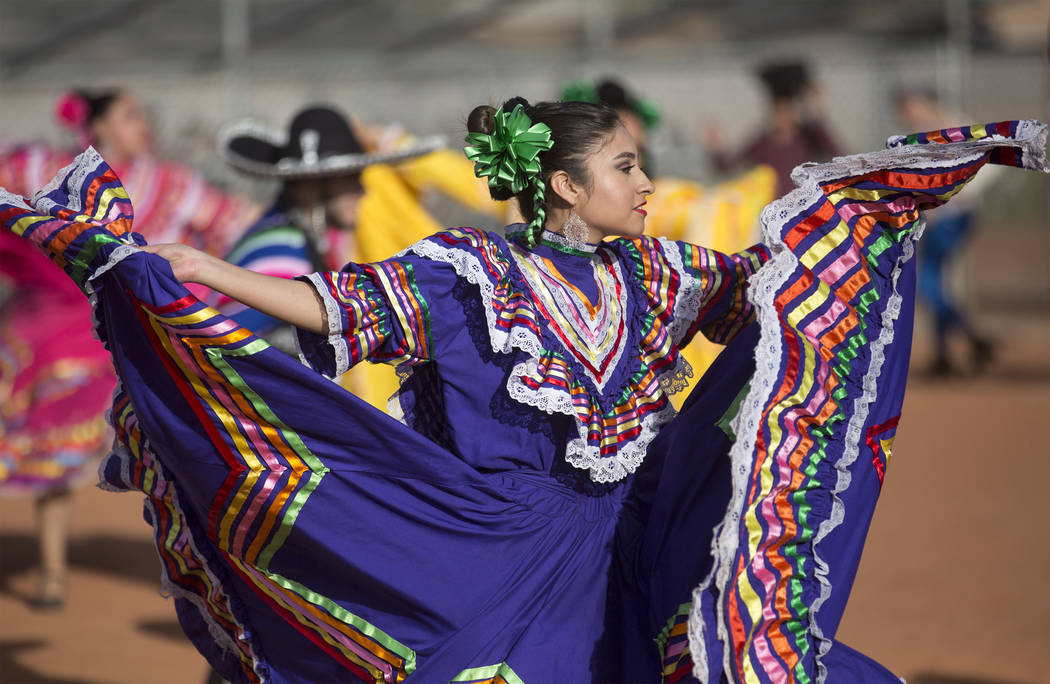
614, 202
123, 131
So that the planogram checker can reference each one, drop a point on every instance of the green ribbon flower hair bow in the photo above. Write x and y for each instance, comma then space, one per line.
508, 157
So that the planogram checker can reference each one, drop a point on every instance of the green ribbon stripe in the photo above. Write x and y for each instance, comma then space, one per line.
79, 264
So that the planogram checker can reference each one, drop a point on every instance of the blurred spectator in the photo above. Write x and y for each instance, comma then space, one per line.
947, 231
342, 199
116, 124
311, 224
794, 133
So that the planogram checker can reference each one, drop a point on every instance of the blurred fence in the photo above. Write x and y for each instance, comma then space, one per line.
198, 64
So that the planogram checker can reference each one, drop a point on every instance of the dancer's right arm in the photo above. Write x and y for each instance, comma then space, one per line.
291, 301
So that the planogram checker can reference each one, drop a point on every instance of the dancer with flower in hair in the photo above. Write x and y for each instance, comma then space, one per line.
537, 512
117, 123
795, 132
55, 379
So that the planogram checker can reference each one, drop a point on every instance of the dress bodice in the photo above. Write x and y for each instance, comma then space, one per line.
521, 357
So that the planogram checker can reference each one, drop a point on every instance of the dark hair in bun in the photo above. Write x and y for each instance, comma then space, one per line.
98, 102
482, 119
615, 95
577, 129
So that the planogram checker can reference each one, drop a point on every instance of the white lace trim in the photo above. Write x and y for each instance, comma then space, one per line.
335, 336
1031, 137
83, 165
13, 199
468, 266
1033, 134
119, 254
578, 452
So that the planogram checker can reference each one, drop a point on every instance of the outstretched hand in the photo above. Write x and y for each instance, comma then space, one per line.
291, 301
188, 264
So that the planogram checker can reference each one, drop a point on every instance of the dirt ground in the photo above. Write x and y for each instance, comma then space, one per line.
951, 588
948, 590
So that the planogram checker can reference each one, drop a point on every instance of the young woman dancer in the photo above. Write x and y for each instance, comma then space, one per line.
538, 514
55, 380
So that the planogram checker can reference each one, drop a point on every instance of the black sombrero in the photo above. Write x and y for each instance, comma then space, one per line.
320, 142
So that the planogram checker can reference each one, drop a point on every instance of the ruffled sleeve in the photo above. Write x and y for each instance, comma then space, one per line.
712, 297
374, 311
688, 289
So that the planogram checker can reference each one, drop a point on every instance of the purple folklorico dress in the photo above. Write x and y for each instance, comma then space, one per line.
537, 513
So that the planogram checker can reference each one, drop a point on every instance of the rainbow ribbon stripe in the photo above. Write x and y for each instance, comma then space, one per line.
186, 573
828, 302
673, 643
83, 220
63, 214
491, 674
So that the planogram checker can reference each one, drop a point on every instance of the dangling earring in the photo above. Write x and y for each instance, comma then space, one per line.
575, 230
